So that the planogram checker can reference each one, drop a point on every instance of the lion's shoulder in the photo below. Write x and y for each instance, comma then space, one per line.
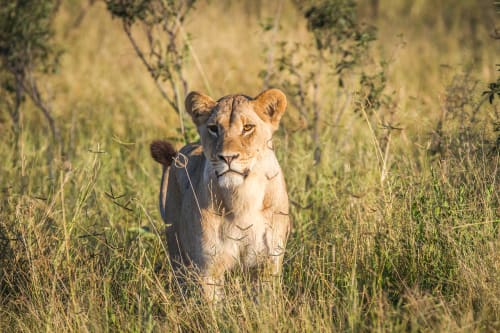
191, 155
192, 149
189, 165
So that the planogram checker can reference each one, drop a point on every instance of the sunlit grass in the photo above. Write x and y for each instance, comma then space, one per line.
82, 246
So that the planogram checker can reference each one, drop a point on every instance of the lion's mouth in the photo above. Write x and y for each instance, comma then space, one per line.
244, 174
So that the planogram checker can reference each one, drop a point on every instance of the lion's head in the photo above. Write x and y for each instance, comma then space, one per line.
236, 130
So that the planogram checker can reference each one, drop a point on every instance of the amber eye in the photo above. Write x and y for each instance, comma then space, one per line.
248, 128
213, 129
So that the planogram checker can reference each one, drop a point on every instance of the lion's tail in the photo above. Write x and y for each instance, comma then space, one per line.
163, 152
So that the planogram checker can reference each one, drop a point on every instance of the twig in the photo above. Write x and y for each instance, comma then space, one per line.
270, 55
296, 204
139, 52
474, 224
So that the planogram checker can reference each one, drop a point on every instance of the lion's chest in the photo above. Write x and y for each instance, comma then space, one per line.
247, 236
239, 240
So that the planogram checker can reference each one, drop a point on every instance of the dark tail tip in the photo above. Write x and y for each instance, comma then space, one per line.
163, 152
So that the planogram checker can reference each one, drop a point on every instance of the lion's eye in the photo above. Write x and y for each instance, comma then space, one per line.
248, 128
213, 130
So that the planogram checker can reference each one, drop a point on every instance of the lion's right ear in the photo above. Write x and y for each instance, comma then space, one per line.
199, 107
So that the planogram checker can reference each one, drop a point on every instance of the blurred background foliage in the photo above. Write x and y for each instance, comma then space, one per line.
390, 148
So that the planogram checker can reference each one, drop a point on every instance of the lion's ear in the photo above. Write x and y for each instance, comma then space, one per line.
270, 106
199, 107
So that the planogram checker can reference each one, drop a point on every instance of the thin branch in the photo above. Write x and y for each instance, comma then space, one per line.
139, 52
270, 55
342, 109
31, 88
316, 109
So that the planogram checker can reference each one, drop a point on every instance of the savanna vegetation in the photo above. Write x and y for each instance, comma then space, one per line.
390, 146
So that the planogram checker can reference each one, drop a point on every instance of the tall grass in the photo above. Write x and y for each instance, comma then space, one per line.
415, 250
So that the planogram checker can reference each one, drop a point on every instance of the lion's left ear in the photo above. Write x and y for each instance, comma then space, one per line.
270, 106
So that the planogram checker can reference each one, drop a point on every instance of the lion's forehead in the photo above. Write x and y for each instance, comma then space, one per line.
234, 99
233, 109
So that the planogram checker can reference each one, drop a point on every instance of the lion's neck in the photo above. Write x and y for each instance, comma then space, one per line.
247, 197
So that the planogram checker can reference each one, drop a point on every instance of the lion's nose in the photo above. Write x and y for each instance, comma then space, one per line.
228, 157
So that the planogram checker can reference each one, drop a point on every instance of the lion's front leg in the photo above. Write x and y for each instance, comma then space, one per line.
212, 276
213, 287
271, 278
276, 241
274, 265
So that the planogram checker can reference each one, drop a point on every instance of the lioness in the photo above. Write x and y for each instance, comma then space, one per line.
225, 200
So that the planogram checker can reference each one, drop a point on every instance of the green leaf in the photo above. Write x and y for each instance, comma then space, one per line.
142, 231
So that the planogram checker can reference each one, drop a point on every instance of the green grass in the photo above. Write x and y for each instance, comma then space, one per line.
82, 246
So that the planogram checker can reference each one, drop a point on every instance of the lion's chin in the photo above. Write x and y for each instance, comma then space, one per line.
230, 180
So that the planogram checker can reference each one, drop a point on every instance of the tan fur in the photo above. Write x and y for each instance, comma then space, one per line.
219, 219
